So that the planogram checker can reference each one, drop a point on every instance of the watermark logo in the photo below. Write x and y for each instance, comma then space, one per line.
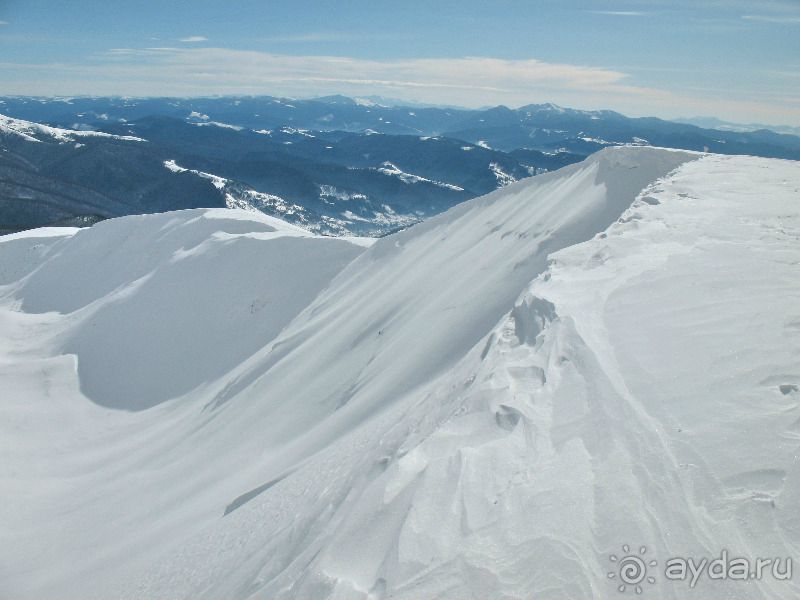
726, 567
631, 569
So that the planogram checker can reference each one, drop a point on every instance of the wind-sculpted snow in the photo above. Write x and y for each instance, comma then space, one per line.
152, 277
486, 405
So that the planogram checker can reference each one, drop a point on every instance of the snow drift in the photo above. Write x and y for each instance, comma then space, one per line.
213, 404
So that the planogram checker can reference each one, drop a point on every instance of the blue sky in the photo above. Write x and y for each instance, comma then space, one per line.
727, 58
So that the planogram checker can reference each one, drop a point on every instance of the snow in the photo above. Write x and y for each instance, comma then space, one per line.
171, 165
503, 178
594, 140
252, 200
237, 196
388, 217
217, 181
366, 102
388, 168
485, 405
218, 124
553, 107
33, 131
293, 131
41, 232
331, 191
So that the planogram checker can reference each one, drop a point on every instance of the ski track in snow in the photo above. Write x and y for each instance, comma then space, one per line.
485, 405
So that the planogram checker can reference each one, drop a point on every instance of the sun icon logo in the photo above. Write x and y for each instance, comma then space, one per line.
631, 569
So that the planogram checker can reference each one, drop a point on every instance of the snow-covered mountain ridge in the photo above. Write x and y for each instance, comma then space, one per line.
34, 131
332, 183
485, 405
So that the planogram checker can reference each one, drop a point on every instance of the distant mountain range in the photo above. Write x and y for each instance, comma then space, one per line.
334, 165
714, 123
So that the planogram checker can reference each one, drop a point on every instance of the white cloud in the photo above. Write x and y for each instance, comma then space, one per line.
3, 23
193, 39
468, 81
782, 19
619, 13
473, 81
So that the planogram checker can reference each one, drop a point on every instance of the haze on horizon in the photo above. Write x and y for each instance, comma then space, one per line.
735, 60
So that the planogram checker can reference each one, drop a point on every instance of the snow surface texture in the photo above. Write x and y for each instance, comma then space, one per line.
209, 404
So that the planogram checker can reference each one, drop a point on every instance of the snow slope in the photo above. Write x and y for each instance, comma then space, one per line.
33, 132
210, 404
